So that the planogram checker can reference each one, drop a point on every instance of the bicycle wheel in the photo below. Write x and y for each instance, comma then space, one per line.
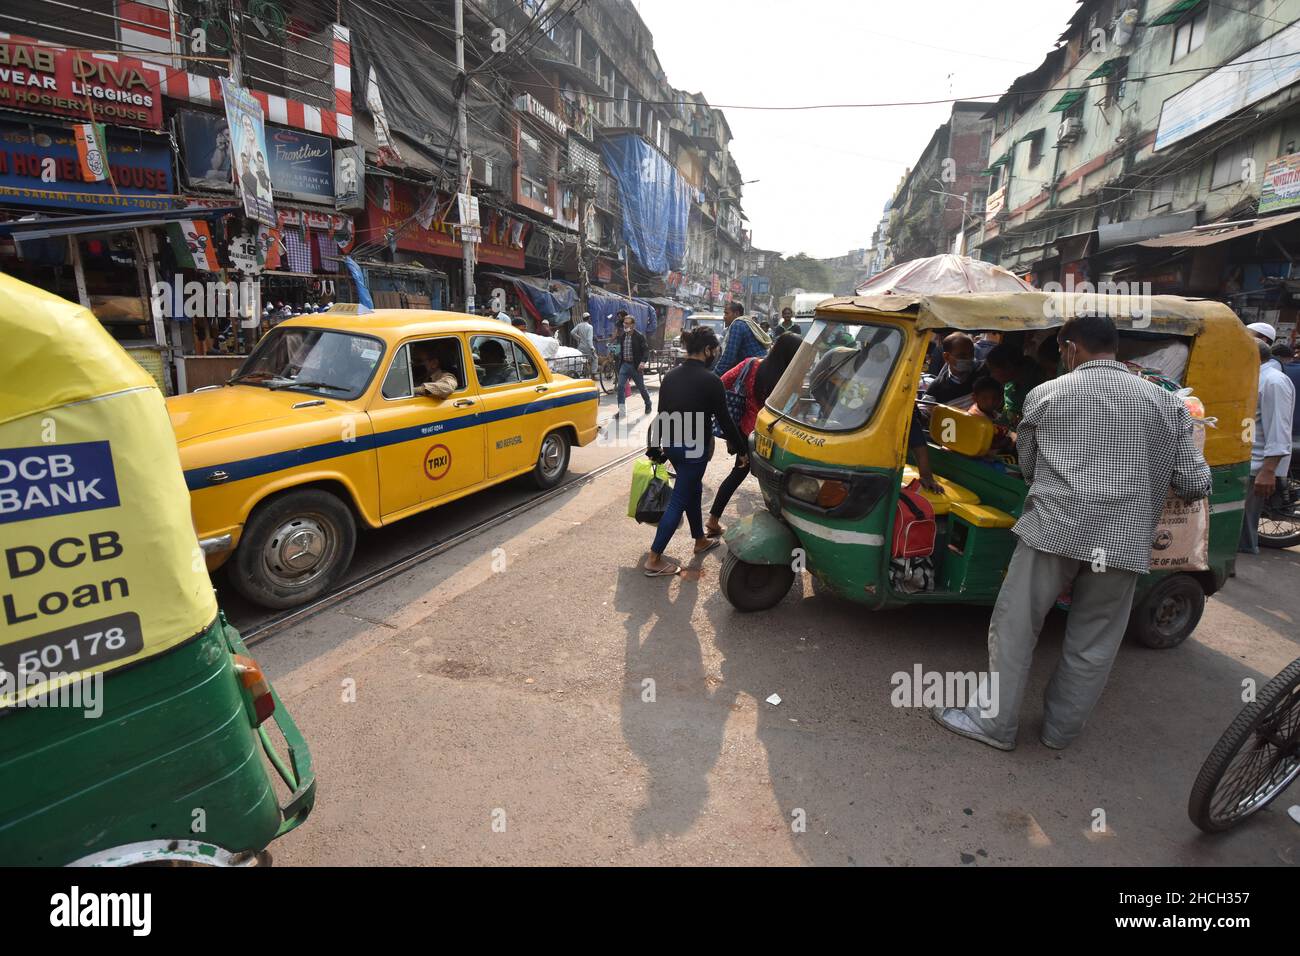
608, 376
1255, 760
1279, 523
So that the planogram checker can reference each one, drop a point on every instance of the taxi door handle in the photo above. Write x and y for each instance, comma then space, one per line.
462, 403
543, 388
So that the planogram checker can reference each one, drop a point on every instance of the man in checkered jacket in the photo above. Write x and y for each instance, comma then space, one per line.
1101, 449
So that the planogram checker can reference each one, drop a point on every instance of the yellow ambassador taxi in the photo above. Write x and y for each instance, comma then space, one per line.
327, 425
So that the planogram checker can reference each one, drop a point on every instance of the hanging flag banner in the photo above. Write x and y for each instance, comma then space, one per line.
248, 144
192, 245
92, 151
388, 153
350, 178
268, 247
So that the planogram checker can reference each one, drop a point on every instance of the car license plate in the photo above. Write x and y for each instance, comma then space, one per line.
763, 445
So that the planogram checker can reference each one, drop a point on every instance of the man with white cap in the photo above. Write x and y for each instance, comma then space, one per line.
1262, 331
1270, 456
584, 341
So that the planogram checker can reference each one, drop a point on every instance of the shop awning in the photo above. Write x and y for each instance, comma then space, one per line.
1195, 238
1175, 13
108, 222
1068, 100
1108, 68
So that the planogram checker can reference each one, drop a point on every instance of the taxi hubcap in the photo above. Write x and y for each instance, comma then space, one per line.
299, 550
551, 455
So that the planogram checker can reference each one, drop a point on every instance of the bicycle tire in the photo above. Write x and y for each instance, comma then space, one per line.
1283, 523
1277, 708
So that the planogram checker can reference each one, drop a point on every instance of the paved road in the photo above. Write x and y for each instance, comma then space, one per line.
500, 716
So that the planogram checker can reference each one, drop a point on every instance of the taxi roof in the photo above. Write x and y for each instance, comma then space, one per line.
1012, 311
396, 324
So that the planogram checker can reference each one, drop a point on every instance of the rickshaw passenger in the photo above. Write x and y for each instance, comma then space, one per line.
960, 369
988, 396
1018, 374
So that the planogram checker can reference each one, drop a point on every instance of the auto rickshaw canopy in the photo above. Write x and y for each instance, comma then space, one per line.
1030, 311
102, 568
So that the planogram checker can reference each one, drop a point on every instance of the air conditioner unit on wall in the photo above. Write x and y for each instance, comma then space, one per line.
1070, 130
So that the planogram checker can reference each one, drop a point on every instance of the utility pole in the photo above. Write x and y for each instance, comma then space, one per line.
467, 246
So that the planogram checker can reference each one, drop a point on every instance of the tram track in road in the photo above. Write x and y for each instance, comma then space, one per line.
268, 626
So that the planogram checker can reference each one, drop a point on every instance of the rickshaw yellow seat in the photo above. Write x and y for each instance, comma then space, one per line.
982, 516
962, 432
952, 492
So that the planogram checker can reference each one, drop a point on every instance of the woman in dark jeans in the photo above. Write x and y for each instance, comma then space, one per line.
690, 398
758, 386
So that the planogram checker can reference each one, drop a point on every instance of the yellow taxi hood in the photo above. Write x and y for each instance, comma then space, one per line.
56, 353
200, 414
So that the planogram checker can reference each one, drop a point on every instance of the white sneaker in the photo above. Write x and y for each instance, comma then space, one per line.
960, 723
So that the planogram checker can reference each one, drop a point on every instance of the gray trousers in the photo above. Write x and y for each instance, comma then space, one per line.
1099, 612
1249, 541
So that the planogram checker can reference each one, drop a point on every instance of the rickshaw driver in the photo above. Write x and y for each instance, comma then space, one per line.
838, 385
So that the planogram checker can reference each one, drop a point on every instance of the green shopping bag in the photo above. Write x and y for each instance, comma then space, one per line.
643, 472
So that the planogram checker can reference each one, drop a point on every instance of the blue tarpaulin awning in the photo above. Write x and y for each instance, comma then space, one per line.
656, 202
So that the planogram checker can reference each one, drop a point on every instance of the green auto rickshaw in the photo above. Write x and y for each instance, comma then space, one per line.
830, 454
134, 725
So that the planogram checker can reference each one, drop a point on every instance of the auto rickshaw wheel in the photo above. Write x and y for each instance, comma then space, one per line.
755, 587
294, 548
1169, 612
552, 461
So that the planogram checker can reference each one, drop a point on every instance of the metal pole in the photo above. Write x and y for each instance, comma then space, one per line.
467, 247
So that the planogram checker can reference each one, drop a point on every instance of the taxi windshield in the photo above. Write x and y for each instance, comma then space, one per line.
337, 364
838, 375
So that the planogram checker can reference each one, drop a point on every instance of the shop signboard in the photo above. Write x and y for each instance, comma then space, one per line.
396, 207
1281, 188
39, 167
113, 89
302, 165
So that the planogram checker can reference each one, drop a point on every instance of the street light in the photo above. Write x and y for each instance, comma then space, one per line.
961, 233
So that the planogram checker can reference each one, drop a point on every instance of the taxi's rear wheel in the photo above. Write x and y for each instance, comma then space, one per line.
552, 461
294, 548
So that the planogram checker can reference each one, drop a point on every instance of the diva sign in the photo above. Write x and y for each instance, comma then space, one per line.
116, 90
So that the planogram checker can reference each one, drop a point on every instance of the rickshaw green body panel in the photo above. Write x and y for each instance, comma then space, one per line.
761, 538
173, 758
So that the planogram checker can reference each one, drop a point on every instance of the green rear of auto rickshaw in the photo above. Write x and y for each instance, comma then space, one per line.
134, 726
830, 454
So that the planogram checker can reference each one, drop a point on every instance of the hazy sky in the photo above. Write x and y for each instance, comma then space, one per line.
825, 175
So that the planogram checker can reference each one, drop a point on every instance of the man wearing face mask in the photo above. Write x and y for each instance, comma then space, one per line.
960, 370
1083, 527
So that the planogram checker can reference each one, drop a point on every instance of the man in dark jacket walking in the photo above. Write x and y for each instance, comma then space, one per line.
631, 363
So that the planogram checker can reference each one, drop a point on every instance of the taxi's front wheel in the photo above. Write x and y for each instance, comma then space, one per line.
294, 548
552, 461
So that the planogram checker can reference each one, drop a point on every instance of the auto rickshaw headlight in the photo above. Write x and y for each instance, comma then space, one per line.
803, 487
